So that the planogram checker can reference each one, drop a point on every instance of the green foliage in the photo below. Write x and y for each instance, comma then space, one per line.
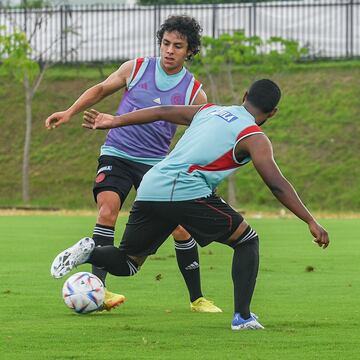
35, 4
28, 4
249, 51
312, 135
15, 55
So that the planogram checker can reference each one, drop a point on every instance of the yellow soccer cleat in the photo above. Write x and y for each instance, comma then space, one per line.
112, 300
203, 305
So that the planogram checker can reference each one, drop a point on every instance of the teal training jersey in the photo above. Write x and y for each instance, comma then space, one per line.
202, 158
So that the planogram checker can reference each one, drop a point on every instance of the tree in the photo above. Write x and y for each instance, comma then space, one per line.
27, 65
238, 52
15, 56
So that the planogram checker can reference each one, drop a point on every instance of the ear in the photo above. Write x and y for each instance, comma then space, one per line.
272, 113
245, 96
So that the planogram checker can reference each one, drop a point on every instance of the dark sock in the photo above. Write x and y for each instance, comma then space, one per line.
103, 235
188, 261
244, 272
113, 260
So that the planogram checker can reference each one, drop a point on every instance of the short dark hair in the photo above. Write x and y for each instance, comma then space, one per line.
186, 26
264, 94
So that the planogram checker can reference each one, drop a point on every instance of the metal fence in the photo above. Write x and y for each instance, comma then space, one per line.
329, 28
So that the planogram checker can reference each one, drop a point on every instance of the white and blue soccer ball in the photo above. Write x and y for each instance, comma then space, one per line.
83, 292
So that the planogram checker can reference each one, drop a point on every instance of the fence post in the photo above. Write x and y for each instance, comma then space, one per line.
25, 16
61, 34
157, 9
351, 28
214, 19
251, 7
65, 33
254, 18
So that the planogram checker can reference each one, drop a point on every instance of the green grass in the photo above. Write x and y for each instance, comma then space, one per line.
307, 315
313, 138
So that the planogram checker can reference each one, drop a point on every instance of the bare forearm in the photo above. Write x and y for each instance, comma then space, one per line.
181, 115
173, 114
287, 195
89, 98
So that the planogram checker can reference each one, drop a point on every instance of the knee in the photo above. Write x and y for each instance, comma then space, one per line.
180, 234
123, 265
248, 238
138, 260
108, 214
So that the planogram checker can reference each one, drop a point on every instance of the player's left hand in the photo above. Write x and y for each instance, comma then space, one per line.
96, 120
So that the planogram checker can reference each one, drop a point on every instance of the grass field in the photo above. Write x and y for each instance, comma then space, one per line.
307, 315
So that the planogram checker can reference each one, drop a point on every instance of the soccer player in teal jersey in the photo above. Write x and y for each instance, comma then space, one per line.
219, 140
128, 153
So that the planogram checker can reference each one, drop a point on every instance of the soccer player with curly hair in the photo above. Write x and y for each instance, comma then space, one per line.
128, 153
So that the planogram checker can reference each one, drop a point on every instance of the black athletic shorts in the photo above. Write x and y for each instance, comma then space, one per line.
118, 175
151, 222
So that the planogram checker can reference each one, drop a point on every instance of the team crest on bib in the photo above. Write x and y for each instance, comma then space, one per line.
144, 85
177, 99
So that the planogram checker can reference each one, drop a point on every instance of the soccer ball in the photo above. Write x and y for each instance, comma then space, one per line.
83, 292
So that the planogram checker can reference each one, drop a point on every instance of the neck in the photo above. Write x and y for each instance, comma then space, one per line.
171, 71
259, 116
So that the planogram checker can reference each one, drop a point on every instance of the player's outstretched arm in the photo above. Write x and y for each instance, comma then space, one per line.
260, 150
92, 96
181, 115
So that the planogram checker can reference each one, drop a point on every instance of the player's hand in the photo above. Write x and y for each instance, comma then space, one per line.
96, 120
56, 119
320, 234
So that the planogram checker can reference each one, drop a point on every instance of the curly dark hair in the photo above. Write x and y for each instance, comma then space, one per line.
186, 26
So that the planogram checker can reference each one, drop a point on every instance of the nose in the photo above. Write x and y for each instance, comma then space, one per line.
170, 49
